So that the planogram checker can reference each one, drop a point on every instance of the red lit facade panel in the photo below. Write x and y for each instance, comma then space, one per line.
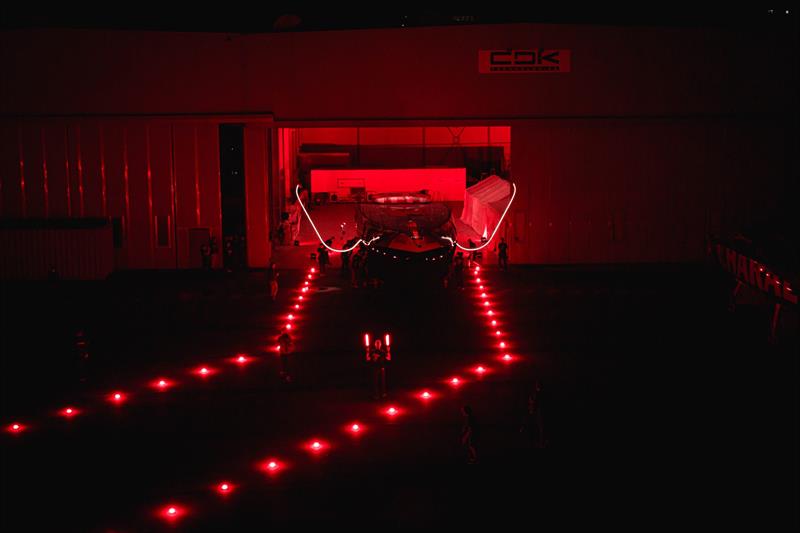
257, 165
10, 191
94, 203
58, 183
34, 192
640, 191
654, 139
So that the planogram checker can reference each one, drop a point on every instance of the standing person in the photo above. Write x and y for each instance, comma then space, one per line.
355, 267
346, 257
205, 256
304, 197
472, 255
537, 405
272, 279
294, 221
533, 420
458, 271
285, 346
323, 257
502, 253
469, 434
378, 357
82, 355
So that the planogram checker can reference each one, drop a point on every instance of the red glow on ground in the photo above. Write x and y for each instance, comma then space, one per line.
241, 359
305, 289
490, 313
297, 306
391, 411
117, 397
172, 512
317, 446
288, 325
290, 316
481, 287
494, 322
305, 283
498, 333
272, 466
355, 428
300, 297
483, 295
309, 276
16, 428
69, 412
502, 345
455, 381
161, 384
313, 270
204, 371
507, 358
480, 370
425, 395
486, 303
225, 487
478, 280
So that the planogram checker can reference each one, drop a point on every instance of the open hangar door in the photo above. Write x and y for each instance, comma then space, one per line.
340, 166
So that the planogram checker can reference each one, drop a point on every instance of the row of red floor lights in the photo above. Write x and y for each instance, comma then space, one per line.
173, 512
162, 384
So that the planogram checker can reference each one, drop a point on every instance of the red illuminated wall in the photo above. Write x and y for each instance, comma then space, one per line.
133, 170
641, 191
444, 184
656, 137
403, 73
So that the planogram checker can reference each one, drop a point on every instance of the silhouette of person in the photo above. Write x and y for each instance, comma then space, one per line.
502, 254
469, 434
285, 346
378, 357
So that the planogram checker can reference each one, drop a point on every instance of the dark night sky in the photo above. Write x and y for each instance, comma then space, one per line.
243, 20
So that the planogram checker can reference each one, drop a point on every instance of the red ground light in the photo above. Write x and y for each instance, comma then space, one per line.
391, 411
241, 359
172, 512
69, 412
507, 358
317, 446
425, 395
455, 381
161, 384
204, 371
16, 428
117, 397
355, 428
225, 487
272, 466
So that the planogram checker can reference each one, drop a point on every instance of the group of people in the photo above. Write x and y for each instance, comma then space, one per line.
379, 356
531, 426
288, 231
461, 263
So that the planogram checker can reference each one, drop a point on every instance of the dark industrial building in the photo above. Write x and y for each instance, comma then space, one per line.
644, 143
433, 272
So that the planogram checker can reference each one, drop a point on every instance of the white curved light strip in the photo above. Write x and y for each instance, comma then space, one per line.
331, 248
484, 245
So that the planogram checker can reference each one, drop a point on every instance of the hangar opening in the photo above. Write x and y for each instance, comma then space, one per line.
343, 171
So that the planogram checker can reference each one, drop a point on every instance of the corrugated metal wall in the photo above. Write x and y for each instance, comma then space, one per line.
72, 253
614, 191
143, 173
